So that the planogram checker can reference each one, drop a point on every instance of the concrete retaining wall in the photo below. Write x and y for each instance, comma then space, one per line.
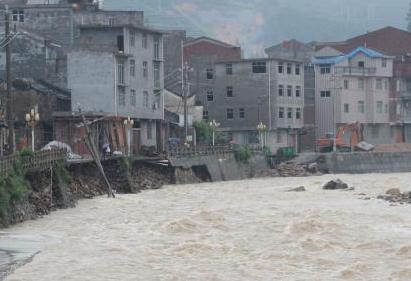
225, 167
386, 162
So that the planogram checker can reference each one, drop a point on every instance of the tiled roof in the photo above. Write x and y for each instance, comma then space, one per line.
337, 59
388, 40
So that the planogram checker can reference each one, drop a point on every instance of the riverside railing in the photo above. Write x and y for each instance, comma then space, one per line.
203, 150
40, 160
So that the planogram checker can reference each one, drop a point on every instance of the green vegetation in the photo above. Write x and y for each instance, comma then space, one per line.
13, 188
125, 164
203, 131
62, 172
242, 153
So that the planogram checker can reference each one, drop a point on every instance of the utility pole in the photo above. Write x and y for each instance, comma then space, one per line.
9, 100
186, 89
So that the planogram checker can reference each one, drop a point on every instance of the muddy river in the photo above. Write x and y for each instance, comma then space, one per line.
245, 230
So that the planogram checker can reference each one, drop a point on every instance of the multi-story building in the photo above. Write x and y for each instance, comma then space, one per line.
296, 50
201, 54
353, 87
394, 42
118, 70
55, 27
249, 91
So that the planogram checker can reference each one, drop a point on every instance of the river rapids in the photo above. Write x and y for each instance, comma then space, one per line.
242, 230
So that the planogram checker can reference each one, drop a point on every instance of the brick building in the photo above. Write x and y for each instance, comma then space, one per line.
201, 54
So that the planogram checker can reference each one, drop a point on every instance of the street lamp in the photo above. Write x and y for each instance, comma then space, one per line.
262, 128
32, 118
128, 123
214, 125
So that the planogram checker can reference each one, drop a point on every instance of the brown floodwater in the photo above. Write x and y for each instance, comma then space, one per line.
244, 230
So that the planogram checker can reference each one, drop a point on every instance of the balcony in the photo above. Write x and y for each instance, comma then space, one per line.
406, 96
356, 71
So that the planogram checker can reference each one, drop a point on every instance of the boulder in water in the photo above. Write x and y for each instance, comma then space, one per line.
393, 192
335, 184
297, 189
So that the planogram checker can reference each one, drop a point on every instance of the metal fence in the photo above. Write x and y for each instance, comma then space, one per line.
40, 160
183, 151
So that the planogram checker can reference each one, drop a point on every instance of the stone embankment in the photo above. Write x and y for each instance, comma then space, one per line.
52, 189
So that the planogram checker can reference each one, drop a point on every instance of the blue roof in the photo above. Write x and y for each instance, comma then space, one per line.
337, 59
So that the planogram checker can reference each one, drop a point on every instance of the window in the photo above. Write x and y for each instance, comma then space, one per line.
210, 73
120, 72
229, 69
205, 115
289, 68
145, 69
229, 92
360, 83
144, 41
145, 99
386, 108
298, 113
361, 106
111, 21
378, 84
289, 113
157, 48
210, 96
230, 113
259, 67
156, 68
120, 43
289, 91
281, 112
122, 98
132, 39
386, 84
384, 63
361, 64
325, 94
346, 84
297, 91
18, 15
132, 68
346, 107
149, 130
325, 68
280, 67
297, 69
133, 98
281, 90
379, 107
241, 113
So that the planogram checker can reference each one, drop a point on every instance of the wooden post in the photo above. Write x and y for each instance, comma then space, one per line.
94, 153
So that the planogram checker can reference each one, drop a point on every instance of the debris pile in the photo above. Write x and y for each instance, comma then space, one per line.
297, 170
394, 195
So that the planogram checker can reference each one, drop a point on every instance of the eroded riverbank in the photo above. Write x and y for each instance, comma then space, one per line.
244, 230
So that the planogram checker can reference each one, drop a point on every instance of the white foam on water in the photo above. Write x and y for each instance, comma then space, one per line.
243, 230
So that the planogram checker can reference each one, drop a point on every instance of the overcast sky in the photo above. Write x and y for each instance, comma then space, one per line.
256, 24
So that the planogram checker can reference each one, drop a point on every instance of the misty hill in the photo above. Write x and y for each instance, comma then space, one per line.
256, 24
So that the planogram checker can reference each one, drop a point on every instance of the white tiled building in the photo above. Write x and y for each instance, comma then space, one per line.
353, 87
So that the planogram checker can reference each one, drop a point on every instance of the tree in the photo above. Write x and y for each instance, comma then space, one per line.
203, 131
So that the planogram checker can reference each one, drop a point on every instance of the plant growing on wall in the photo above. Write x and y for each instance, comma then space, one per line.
12, 188
242, 153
